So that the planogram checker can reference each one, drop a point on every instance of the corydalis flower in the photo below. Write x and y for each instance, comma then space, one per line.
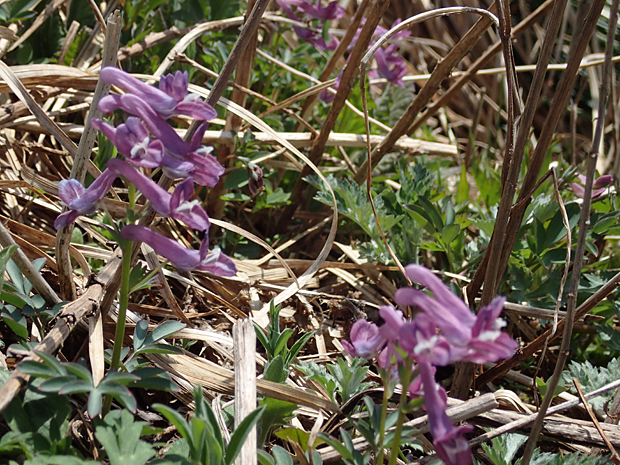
390, 65
82, 201
448, 439
133, 141
317, 11
598, 187
180, 159
366, 341
469, 337
170, 99
311, 37
178, 205
213, 261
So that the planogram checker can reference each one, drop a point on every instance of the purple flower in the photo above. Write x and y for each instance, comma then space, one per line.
316, 39
390, 65
469, 337
331, 11
453, 328
178, 205
598, 188
213, 261
489, 343
448, 439
311, 37
366, 341
170, 99
82, 201
180, 159
132, 140
154, 122
393, 319
420, 340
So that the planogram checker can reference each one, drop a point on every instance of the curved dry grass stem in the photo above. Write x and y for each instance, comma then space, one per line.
438, 12
421, 99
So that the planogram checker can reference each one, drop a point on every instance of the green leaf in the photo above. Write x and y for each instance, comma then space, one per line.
277, 412
139, 334
449, 233
119, 435
275, 370
163, 330
15, 320
32, 368
280, 347
296, 347
177, 420
264, 458
240, 434
281, 456
5, 255
462, 193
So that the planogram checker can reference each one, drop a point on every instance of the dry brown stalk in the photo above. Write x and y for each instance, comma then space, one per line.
349, 73
475, 67
512, 166
82, 157
245, 384
336, 57
557, 108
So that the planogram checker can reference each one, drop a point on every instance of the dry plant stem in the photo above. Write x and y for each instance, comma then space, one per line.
7, 75
244, 72
346, 83
441, 72
338, 53
475, 67
614, 455
492, 279
249, 30
558, 107
69, 317
25, 266
464, 373
584, 221
247, 33
82, 157
245, 384
512, 165
349, 73
513, 425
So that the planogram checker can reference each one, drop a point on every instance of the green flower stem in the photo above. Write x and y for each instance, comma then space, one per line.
386, 397
405, 380
119, 335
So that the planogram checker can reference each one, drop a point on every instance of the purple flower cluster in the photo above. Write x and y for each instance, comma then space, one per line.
444, 331
598, 188
312, 10
147, 140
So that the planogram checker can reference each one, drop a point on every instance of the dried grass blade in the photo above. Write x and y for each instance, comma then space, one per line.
18, 89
